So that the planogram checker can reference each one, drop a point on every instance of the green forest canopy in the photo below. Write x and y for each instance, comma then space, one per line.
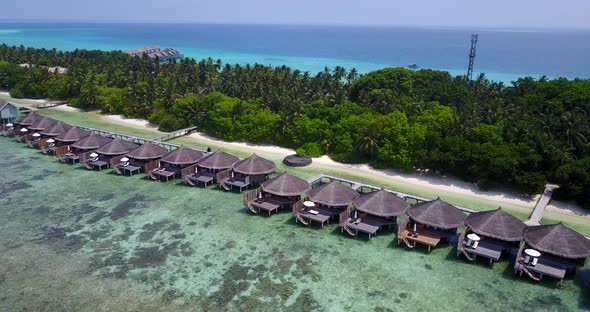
525, 134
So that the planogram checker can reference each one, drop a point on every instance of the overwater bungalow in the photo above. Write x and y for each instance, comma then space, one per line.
34, 134
101, 157
429, 223
372, 211
134, 161
247, 172
488, 233
284, 190
174, 164
209, 166
51, 132
80, 150
61, 143
21, 125
551, 250
325, 202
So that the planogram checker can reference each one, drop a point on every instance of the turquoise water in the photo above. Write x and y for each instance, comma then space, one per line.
502, 55
76, 240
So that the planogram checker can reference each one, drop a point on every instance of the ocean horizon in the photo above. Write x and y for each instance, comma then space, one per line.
502, 54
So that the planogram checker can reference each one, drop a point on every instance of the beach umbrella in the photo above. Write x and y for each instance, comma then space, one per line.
124, 159
36, 135
93, 155
23, 130
51, 141
9, 125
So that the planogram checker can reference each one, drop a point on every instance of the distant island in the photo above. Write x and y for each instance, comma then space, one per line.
522, 135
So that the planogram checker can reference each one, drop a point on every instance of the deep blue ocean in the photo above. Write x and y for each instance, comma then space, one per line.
502, 54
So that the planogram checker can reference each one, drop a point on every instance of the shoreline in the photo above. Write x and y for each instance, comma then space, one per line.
433, 184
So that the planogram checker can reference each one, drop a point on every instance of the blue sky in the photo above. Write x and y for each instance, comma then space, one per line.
488, 13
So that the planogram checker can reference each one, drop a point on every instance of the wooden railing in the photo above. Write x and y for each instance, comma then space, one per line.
84, 157
250, 196
297, 207
148, 167
115, 161
222, 175
42, 143
190, 170
344, 215
62, 150
175, 134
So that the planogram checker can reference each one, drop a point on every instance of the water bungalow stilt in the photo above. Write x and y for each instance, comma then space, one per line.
104, 154
325, 202
212, 168
372, 211
251, 171
80, 150
137, 159
551, 250
284, 190
488, 234
180, 162
62, 142
429, 223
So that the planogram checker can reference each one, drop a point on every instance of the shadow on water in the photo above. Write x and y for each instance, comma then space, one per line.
583, 281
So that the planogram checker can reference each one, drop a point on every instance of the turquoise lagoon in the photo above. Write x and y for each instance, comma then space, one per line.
77, 240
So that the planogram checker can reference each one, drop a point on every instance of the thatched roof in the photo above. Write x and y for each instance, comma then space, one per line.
381, 203
437, 213
148, 151
559, 240
218, 160
117, 147
92, 141
57, 129
72, 135
183, 156
285, 185
255, 165
333, 194
42, 124
28, 120
496, 224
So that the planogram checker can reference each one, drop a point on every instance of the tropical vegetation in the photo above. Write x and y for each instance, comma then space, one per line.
521, 135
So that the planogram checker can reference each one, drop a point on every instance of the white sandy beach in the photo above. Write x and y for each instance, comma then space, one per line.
436, 184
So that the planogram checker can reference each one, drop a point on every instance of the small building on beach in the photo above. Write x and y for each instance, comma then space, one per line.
284, 190
429, 223
8, 112
372, 211
489, 233
551, 250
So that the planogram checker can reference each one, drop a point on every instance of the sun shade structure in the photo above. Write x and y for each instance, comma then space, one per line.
255, 165
558, 240
42, 124
285, 185
117, 147
183, 156
333, 194
381, 203
92, 141
496, 224
57, 129
438, 214
28, 120
72, 135
218, 161
147, 151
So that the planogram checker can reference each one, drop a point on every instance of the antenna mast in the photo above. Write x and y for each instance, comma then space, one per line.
472, 56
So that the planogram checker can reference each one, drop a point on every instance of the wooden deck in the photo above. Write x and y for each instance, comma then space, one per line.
175, 134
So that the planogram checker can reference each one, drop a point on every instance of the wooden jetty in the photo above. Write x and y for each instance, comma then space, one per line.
175, 134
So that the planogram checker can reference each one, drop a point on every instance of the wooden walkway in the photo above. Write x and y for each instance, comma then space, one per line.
175, 134
539, 210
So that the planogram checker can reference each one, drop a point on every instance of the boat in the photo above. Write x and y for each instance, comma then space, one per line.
413, 66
